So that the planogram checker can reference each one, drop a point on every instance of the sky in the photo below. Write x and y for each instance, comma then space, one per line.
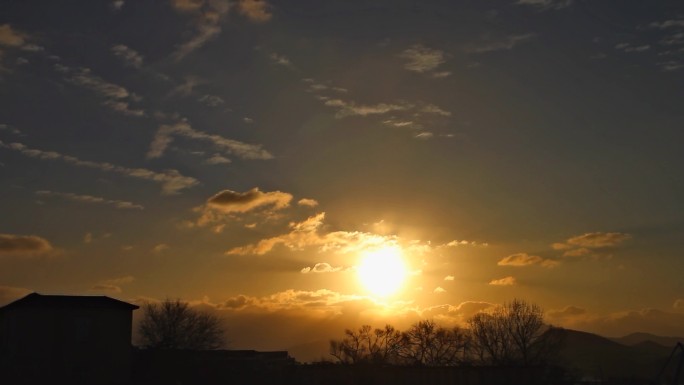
301, 167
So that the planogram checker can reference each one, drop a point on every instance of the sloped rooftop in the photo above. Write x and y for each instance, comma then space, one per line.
68, 301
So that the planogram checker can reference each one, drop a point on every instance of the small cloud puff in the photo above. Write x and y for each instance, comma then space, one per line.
23, 245
308, 202
506, 281
524, 259
321, 268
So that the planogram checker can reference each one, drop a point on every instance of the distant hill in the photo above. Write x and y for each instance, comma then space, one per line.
602, 358
638, 338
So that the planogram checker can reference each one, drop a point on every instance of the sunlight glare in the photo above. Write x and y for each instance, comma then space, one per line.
382, 271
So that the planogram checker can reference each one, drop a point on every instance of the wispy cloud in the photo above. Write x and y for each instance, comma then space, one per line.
112, 285
280, 60
23, 245
424, 60
125, 205
626, 47
524, 259
255, 10
667, 24
165, 134
505, 281
130, 56
321, 267
307, 202
546, 4
227, 202
308, 234
506, 43
171, 180
594, 240
116, 97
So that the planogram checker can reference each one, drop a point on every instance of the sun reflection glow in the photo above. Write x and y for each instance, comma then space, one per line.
382, 271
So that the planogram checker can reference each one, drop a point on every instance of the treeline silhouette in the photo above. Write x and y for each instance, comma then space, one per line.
512, 335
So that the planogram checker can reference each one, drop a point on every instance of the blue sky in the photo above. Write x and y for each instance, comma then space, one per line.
246, 155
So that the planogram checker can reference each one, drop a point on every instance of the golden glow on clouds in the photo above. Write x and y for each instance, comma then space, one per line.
382, 271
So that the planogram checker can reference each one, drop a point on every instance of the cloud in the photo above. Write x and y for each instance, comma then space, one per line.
463, 242
506, 281
171, 180
255, 10
308, 234
130, 56
117, 5
321, 267
10, 129
439, 290
23, 245
125, 205
671, 65
598, 239
524, 259
307, 202
160, 248
10, 37
280, 60
546, 4
88, 238
626, 47
582, 251
678, 304
422, 59
207, 16
667, 24
165, 133
225, 203
449, 278
424, 135
566, 312
350, 108
112, 285
218, 159
211, 100
507, 43
230, 201
116, 97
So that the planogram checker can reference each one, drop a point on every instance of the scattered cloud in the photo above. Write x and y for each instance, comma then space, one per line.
321, 268
88, 238
117, 5
463, 242
424, 135
424, 60
597, 240
449, 278
506, 43
130, 56
678, 304
116, 97
90, 199
165, 133
307, 202
439, 290
308, 233
23, 245
226, 203
211, 100
255, 10
524, 259
568, 311
10, 37
506, 281
546, 4
112, 285
350, 108
667, 24
10, 129
218, 159
626, 47
582, 251
171, 180
160, 248
280, 60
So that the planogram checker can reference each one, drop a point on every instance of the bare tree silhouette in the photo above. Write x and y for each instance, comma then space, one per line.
513, 334
172, 324
426, 343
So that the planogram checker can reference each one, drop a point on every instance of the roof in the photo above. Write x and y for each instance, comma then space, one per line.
68, 301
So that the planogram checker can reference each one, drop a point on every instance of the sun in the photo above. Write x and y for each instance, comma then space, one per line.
382, 271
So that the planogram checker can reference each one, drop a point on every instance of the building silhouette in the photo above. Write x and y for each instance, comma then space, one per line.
66, 339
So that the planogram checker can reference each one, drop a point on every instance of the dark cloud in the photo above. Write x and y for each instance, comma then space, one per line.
23, 245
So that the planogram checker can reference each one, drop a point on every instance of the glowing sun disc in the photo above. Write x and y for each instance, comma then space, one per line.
382, 271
